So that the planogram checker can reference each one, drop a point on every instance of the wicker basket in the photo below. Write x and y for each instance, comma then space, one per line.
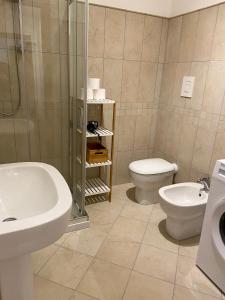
96, 153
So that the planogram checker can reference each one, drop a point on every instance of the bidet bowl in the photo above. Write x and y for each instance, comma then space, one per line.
38, 199
185, 206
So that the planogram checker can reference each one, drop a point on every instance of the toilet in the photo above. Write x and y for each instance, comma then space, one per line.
184, 204
148, 175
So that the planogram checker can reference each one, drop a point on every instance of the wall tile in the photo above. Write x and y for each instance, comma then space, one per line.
162, 53
133, 36
50, 130
205, 32
218, 52
188, 132
130, 81
152, 38
142, 131
188, 36
219, 146
182, 69
215, 88
148, 76
166, 95
48, 77
7, 141
114, 33
200, 71
95, 68
158, 84
46, 25
63, 10
205, 139
64, 78
127, 125
172, 135
4, 76
63, 37
96, 31
174, 33
113, 78
2, 26
123, 161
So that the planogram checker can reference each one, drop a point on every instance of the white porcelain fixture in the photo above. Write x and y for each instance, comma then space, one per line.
211, 252
37, 196
185, 206
148, 175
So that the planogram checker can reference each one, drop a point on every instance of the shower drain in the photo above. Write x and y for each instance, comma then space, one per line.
9, 219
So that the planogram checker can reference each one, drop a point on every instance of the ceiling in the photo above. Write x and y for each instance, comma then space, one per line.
164, 8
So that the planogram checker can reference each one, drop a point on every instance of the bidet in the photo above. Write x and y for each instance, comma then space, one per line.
35, 202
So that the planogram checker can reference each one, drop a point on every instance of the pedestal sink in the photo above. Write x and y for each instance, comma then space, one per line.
35, 202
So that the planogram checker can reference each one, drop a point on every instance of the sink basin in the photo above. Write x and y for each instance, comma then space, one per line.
35, 202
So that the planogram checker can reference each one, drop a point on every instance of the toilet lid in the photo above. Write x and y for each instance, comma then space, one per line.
152, 166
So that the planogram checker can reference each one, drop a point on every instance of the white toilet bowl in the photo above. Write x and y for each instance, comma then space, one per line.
184, 206
148, 176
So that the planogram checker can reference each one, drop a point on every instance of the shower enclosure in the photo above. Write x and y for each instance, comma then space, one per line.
43, 63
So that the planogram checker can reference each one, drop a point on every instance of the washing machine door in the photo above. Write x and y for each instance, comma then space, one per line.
218, 229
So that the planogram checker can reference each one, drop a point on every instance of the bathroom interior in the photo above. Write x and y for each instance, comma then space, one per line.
112, 153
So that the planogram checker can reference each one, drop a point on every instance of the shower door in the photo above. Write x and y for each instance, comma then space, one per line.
78, 36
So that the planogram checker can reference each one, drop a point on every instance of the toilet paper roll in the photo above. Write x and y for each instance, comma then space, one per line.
93, 83
99, 94
90, 94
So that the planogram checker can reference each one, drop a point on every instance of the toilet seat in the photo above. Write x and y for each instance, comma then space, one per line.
152, 166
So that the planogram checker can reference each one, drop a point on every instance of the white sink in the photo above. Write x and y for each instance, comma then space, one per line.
39, 199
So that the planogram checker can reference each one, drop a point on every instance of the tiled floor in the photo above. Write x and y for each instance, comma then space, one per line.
126, 254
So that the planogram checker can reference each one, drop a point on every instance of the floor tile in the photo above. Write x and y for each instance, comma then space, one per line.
137, 211
116, 205
157, 236
80, 296
189, 276
157, 263
87, 241
157, 215
189, 247
100, 217
62, 239
47, 290
104, 281
66, 267
121, 253
181, 293
39, 258
126, 229
143, 287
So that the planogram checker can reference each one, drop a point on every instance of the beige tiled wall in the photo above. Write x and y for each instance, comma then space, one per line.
126, 50
39, 131
191, 131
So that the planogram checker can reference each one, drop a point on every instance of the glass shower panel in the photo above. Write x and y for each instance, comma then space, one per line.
14, 122
78, 21
34, 45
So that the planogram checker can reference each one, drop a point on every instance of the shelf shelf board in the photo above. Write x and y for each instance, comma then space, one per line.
100, 101
95, 186
100, 164
96, 199
101, 132
95, 165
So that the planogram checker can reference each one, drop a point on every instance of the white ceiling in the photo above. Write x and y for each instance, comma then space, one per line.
165, 8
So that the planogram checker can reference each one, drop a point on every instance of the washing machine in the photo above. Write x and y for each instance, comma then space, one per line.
211, 253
